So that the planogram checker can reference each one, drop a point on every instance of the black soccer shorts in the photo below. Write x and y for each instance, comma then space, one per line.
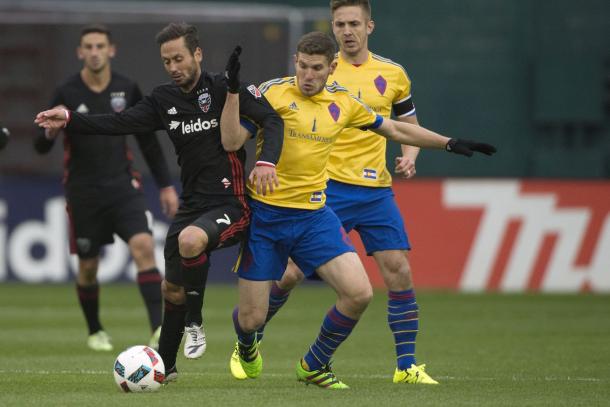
97, 212
225, 226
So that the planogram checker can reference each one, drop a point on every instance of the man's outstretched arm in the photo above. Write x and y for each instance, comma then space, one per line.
407, 133
141, 118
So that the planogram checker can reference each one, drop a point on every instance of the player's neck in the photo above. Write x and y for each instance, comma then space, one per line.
96, 81
191, 86
357, 59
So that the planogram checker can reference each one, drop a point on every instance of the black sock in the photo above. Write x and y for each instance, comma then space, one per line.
149, 282
88, 296
194, 276
172, 330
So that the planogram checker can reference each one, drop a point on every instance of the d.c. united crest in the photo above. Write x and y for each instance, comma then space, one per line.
118, 101
205, 101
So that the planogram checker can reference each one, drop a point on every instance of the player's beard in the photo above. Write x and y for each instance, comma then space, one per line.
190, 78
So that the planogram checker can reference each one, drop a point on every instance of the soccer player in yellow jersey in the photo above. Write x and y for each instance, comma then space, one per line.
359, 189
294, 221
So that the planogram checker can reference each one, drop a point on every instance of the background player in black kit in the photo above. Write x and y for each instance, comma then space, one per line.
213, 212
103, 192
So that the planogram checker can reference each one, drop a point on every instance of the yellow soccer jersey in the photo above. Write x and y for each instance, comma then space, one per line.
311, 126
360, 157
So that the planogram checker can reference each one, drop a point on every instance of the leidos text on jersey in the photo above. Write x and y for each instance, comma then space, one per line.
199, 125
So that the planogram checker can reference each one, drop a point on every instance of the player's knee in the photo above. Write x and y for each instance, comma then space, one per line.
397, 274
359, 299
251, 320
87, 271
365, 296
191, 242
173, 293
142, 247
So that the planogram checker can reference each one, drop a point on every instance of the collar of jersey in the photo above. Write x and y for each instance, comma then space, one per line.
341, 60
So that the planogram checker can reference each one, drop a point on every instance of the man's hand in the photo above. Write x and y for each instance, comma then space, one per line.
169, 201
405, 167
232, 71
467, 147
263, 177
54, 119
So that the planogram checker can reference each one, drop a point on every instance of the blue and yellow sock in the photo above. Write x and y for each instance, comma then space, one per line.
403, 320
277, 298
335, 329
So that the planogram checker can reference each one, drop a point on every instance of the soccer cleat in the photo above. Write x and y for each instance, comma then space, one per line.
100, 341
235, 365
413, 375
154, 339
254, 366
171, 375
194, 344
324, 377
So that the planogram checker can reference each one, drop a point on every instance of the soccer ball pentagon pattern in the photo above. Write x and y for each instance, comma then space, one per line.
139, 369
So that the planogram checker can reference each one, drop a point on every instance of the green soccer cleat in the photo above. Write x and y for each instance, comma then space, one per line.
254, 367
413, 375
154, 339
100, 341
235, 365
323, 377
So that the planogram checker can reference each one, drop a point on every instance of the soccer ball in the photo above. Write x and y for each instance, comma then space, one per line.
139, 369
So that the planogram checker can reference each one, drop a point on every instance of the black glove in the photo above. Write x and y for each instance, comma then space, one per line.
467, 147
4, 133
232, 71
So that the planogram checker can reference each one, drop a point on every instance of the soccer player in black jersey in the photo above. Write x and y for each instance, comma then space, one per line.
103, 192
213, 212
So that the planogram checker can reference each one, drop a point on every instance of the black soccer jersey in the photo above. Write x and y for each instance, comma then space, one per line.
98, 159
192, 121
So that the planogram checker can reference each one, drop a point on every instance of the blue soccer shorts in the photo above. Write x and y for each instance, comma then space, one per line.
372, 212
310, 237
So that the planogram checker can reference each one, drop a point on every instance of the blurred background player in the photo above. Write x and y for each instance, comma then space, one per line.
295, 222
213, 212
103, 192
359, 190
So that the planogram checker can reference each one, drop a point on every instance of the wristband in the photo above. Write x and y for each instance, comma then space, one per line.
68, 117
265, 164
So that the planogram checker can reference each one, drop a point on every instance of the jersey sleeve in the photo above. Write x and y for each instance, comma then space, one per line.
151, 149
255, 110
141, 118
361, 115
42, 144
403, 105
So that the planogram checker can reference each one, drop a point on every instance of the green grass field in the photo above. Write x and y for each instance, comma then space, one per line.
501, 350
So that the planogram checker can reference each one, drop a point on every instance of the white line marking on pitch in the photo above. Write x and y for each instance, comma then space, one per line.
356, 376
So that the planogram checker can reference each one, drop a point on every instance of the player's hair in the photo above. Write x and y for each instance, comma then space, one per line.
365, 4
174, 31
95, 28
317, 43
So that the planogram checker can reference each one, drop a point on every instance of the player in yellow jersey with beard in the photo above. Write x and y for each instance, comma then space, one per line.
359, 189
294, 221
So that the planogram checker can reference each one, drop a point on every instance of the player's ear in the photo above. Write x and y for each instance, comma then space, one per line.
111, 50
333, 66
79, 54
370, 26
198, 54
